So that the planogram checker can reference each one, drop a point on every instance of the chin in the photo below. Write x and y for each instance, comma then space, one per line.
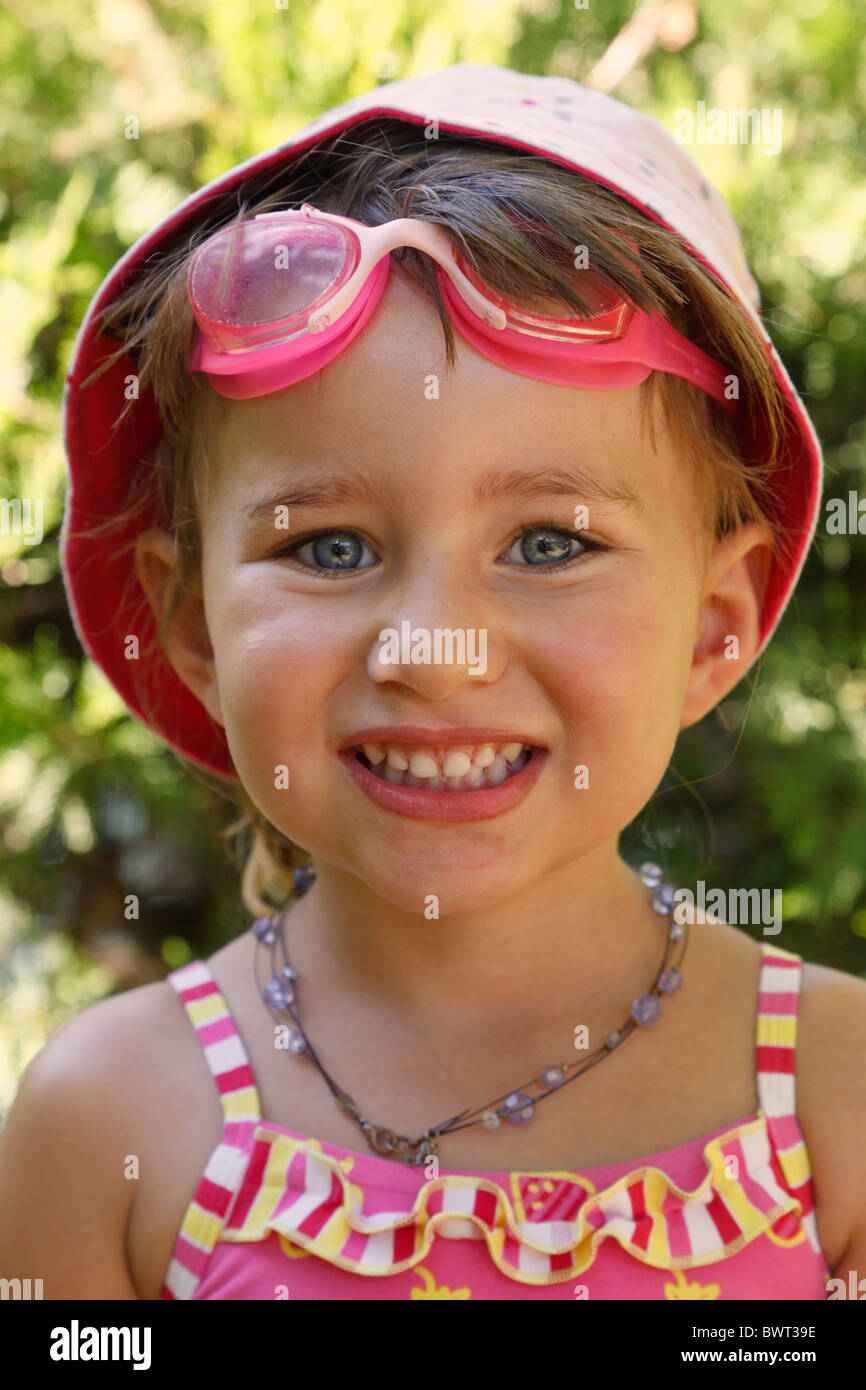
411, 883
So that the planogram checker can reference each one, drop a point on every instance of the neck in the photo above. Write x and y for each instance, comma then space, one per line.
581, 936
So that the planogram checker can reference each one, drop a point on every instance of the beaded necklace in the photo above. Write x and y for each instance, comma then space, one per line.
516, 1107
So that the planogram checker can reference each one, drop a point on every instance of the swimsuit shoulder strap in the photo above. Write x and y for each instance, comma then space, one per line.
778, 999
220, 1040
776, 1043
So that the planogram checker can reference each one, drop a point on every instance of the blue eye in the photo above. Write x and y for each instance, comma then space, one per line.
333, 552
546, 547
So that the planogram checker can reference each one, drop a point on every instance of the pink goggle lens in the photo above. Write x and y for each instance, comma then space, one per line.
607, 316
255, 284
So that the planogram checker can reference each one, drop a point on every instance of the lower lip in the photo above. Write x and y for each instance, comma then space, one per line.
416, 804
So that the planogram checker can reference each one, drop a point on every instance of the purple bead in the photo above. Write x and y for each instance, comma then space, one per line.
669, 981
303, 878
650, 875
646, 1009
263, 929
295, 1041
552, 1076
274, 993
663, 898
520, 1108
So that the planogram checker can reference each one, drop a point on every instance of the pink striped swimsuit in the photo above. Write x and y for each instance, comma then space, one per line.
279, 1215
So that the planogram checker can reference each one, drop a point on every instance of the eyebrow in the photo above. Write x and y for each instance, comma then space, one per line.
317, 490
324, 490
559, 482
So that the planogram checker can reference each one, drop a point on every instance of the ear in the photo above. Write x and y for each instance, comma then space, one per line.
729, 618
185, 638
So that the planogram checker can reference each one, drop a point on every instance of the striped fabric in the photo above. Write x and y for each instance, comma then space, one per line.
226, 1057
779, 991
275, 1196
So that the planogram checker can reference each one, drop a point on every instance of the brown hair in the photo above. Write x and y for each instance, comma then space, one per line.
516, 218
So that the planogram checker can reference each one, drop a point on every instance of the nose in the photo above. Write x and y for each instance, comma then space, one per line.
431, 656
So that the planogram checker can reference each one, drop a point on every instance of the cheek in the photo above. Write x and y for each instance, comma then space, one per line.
278, 659
616, 673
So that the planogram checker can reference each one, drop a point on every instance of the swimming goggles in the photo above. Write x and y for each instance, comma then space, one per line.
277, 297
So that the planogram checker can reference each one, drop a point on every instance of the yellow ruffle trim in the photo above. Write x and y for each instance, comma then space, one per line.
604, 1215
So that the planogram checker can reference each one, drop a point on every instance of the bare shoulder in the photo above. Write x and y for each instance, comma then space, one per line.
81, 1135
831, 1101
113, 1057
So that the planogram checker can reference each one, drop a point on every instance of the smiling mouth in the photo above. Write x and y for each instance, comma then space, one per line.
468, 768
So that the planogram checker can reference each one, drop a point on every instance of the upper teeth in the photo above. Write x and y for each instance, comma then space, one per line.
442, 762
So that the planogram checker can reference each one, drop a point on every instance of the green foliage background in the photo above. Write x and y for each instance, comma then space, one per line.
92, 807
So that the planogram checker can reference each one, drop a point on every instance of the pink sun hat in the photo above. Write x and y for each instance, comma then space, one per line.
578, 127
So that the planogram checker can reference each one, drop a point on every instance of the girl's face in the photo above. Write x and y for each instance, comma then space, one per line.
450, 508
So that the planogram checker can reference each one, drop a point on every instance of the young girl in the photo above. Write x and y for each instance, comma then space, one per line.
440, 615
